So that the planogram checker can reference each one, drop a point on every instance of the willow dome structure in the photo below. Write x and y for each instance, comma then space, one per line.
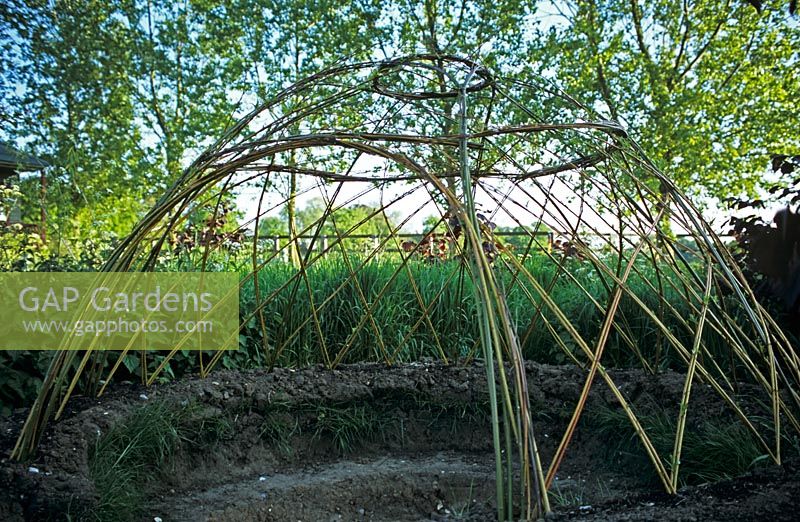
445, 136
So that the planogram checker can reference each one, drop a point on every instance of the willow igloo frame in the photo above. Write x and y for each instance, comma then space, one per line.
443, 135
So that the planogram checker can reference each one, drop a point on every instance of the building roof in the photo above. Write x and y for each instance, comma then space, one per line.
13, 161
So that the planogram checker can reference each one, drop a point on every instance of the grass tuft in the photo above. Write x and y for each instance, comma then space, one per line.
716, 449
349, 425
136, 451
131, 454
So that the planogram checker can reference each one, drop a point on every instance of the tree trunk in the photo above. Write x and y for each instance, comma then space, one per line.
294, 251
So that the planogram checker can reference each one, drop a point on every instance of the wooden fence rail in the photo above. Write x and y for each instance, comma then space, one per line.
372, 242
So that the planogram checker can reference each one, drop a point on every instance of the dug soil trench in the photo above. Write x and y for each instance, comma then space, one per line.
363, 442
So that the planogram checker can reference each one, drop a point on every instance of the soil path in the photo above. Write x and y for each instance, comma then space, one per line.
769, 495
390, 488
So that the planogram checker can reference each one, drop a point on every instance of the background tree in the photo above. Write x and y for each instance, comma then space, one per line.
289, 40
119, 95
708, 87
495, 33
115, 94
64, 91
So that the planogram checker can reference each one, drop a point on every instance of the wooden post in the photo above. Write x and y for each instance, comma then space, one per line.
285, 255
43, 209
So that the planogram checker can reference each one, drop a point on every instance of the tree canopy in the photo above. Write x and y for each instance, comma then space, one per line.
709, 88
120, 95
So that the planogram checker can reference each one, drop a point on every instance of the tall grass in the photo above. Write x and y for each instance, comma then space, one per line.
129, 456
445, 314
127, 462
716, 449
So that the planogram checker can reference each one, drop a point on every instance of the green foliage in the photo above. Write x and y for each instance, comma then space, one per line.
361, 219
356, 219
21, 375
447, 296
119, 96
719, 448
277, 431
395, 313
399, 319
113, 94
708, 87
127, 461
452, 412
348, 425
21, 372
20, 249
128, 457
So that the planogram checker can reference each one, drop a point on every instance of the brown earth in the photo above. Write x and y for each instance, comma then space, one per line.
428, 457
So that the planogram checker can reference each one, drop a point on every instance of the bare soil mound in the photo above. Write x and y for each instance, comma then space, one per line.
363, 442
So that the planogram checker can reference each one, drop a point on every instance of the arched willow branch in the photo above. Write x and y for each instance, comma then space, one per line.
443, 135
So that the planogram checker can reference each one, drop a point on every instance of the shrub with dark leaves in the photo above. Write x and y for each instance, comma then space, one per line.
770, 250
435, 247
216, 230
